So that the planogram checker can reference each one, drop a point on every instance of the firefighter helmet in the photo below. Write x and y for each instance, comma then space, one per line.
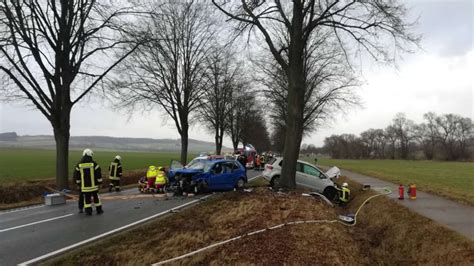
118, 157
88, 152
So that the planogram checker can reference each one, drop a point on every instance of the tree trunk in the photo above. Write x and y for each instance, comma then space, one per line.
61, 136
184, 146
235, 144
295, 101
218, 141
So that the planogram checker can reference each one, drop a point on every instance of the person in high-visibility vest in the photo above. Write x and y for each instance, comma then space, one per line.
88, 176
344, 193
115, 173
161, 180
151, 177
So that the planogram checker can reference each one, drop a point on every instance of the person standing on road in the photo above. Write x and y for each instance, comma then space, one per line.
88, 176
115, 173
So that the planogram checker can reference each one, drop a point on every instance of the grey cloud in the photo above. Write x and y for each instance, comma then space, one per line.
446, 26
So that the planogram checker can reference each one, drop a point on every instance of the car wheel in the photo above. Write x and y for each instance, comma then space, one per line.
275, 182
240, 183
330, 193
200, 187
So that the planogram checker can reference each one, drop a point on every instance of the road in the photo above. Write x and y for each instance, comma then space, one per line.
456, 216
26, 234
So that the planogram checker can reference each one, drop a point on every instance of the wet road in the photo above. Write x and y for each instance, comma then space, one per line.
27, 234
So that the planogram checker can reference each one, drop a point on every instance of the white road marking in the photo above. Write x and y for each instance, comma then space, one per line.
62, 250
22, 209
38, 222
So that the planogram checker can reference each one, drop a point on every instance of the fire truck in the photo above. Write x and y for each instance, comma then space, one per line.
250, 152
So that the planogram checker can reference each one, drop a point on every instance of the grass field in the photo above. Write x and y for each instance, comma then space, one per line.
29, 164
453, 180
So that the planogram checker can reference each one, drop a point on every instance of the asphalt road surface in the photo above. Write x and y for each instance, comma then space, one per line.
26, 234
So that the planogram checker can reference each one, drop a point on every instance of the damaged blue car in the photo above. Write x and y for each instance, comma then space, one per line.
207, 175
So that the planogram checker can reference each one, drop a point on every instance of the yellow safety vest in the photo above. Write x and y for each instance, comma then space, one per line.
113, 171
160, 178
152, 172
91, 186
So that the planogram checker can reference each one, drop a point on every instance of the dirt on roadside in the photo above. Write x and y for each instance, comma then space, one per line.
20, 194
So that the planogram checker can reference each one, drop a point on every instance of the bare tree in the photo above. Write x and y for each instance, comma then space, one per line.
223, 72
170, 69
404, 129
369, 138
243, 102
365, 23
381, 140
50, 53
427, 135
454, 134
391, 135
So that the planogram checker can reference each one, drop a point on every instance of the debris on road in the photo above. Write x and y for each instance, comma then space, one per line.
54, 199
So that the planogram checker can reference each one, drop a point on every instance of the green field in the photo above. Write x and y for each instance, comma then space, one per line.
29, 164
453, 180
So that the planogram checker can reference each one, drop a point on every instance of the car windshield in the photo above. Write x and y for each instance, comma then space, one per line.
200, 164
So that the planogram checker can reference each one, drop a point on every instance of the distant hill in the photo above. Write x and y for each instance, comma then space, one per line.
12, 140
8, 136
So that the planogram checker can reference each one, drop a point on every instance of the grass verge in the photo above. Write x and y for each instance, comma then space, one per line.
386, 234
26, 193
453, 180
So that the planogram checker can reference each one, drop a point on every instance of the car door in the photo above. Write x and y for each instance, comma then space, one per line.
219, 176
313, 178
300, 176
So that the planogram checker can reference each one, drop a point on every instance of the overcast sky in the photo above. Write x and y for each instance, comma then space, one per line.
438, 78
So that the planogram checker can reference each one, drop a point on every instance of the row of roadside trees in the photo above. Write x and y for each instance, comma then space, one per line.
443, 137
181, 57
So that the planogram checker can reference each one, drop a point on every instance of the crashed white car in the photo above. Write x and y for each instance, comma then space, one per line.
307, 175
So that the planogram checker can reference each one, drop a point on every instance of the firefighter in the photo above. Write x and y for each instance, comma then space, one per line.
161, 180
88, 176
262, 161
115, 173
344, 194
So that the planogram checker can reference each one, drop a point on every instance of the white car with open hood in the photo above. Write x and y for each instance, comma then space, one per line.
307, 175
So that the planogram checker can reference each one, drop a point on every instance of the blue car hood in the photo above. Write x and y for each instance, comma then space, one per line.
189, 171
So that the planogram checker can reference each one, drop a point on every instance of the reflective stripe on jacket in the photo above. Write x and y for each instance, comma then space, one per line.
345, 194
115, 171
89, 181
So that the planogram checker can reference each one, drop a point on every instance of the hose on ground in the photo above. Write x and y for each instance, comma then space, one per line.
386, 192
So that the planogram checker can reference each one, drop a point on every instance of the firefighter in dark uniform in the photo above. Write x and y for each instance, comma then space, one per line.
115, 173
88, 176
344, 194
